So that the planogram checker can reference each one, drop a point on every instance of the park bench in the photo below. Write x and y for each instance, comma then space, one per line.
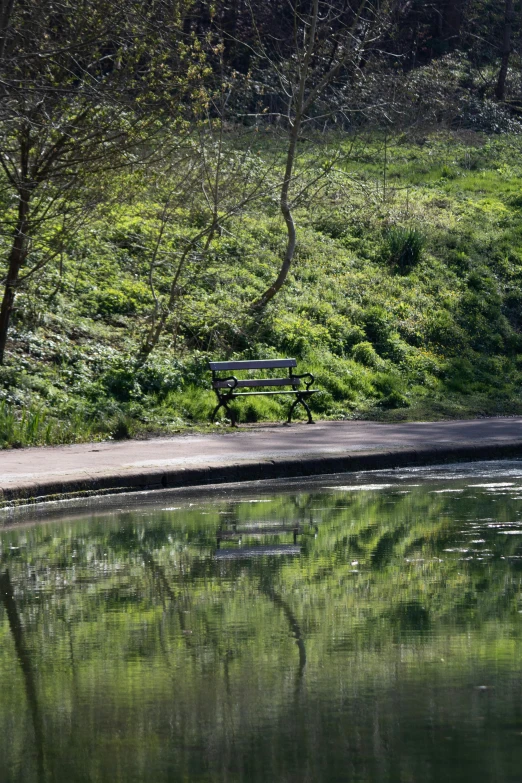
226, 387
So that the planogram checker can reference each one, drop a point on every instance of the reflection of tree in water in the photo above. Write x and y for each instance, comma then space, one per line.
158, 573
370, 582
295, 627
27, 667
368, 528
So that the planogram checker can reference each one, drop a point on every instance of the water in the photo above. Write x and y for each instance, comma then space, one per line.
356, 628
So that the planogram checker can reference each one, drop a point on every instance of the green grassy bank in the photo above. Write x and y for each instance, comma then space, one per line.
404, 299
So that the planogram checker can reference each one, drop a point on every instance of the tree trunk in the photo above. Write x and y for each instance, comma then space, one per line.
15, 263
290, 225
451, 22
506, 50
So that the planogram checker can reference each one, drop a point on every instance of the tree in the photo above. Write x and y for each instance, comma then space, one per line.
509, 15
332, 43
214, 181
81, 87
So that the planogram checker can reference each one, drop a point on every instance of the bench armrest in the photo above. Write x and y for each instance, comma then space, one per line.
305, 375
233, 381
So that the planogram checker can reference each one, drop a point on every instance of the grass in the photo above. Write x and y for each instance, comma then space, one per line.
33, 425
405, 301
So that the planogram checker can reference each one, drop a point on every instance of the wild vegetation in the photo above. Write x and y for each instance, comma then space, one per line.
368, 223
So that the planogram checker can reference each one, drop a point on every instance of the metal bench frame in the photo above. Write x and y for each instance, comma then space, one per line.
225, 387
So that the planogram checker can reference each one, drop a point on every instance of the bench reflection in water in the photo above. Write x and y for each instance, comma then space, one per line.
263, 530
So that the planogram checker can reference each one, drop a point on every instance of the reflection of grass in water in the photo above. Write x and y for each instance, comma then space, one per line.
380, 535
155, 621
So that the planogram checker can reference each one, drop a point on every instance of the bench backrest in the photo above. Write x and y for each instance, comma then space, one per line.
254, 364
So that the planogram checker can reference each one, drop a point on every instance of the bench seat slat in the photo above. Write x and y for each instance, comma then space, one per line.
257, 382
254, 364
252, 532
242, 553
252, 394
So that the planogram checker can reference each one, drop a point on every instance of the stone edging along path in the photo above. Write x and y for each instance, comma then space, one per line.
309, 465
36, 475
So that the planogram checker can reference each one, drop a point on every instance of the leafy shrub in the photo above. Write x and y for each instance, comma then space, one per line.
396, 349
129, 298
295, 335
122, 428
404, 248
480, 314
391, 391
441, 330
112, 301
365, 353
486, 116
459, 375
120, 382
333, 224
378, 325
343, 334
161, 377
515, 201
448, 172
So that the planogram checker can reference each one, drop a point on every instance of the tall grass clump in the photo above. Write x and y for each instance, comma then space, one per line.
404, 247
34, 426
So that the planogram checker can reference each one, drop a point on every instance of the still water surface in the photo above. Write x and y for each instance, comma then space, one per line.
356, 628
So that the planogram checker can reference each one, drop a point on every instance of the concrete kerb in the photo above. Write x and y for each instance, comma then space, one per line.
252, 470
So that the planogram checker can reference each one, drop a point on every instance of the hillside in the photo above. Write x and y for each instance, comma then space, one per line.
404, 299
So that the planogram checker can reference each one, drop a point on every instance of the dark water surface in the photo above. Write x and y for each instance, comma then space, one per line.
355, 628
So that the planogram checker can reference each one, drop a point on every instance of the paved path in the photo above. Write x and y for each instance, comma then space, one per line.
258, 453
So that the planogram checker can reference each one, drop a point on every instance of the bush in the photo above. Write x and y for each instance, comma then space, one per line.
333, 224
120, 382
122, 428
460, 376
343, 334
161, 377
378, 326
365, 353
441, 330
391, 391
129, 298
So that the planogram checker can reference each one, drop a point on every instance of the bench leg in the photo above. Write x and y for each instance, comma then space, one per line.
223, 404
296, 402
213, 416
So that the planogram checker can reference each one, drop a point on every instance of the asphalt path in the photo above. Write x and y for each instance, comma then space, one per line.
250, 453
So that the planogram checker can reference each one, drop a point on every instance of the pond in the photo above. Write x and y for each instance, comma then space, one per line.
351, 628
